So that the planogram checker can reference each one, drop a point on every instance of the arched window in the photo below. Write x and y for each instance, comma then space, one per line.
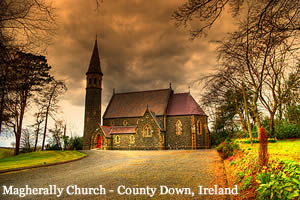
95, 81
147, 131
118, 139
90, 81
178, 127
111, 123
132, 139
201, 128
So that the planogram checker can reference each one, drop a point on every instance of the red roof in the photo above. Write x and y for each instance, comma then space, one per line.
106, 130
115, 130
184, 104
122, 130
134, 104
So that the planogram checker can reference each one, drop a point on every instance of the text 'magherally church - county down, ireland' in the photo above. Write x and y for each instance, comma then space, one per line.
141, 120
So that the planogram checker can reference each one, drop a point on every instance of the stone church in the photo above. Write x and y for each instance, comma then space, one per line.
141, 120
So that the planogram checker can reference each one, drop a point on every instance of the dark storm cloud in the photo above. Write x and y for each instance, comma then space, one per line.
140, 48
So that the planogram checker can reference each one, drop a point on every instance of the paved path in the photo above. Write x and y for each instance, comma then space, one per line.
132, 169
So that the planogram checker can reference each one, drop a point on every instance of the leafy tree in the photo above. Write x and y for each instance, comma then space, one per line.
31, 73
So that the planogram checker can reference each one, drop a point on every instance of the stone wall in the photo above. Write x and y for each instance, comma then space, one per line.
182, 141
92, 117
141, 142
202, 132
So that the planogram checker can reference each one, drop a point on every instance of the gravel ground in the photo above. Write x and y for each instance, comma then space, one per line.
132, 169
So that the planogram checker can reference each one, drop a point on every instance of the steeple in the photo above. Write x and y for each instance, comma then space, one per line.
93, 97
95, 67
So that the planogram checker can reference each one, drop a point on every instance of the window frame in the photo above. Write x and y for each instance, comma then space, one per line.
147, 130
179, 127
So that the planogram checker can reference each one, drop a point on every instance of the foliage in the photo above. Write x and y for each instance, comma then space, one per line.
227, 148
293, 113
53, 147
76, 143
6, 152
280, 181
218, 137
285, 130
247, 140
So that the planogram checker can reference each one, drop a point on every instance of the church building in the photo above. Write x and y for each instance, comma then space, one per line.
141, 120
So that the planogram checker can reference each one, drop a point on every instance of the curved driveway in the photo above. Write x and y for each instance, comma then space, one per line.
132, 169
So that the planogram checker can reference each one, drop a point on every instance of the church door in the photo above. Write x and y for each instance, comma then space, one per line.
99, 142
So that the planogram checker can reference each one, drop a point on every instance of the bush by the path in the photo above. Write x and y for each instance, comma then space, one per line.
227, 148
285, 130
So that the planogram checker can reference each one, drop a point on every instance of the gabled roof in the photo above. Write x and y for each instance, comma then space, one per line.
116, 130
106, 130
95, 66
158, 122
184, 104
133, 104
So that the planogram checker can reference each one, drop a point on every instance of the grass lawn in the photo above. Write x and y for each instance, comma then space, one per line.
38, 158
282, 149
6, 152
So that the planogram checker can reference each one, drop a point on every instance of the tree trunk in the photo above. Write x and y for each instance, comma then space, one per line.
18, 139
241, 117
36, 137
272, 129
45, 128
247, 114
19, 128
256, 114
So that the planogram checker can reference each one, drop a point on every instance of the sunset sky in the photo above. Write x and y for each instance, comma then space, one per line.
140, 49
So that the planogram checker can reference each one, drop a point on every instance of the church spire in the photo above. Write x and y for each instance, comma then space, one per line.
95, 67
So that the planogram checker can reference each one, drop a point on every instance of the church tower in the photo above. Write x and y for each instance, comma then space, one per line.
92, 117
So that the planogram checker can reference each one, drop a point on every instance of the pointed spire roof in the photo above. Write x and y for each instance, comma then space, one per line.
95, 66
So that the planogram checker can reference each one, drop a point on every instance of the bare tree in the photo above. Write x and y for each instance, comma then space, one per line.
57, 134
49, 101
281, 15
27, 24
26, 140
254, 62
39, 119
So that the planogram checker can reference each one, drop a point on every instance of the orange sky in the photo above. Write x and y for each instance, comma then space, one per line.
140, 49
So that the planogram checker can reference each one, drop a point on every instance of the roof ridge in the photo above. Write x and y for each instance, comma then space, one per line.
123, 126
181, 93
106, 126
142, 91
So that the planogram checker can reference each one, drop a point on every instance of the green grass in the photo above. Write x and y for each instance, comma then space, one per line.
282, 149
6, 152
38, 158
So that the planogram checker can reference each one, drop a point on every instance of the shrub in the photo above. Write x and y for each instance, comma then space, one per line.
227, 148
280, 181
218, 137
284, 130
247, 141
76, 143
53, 147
